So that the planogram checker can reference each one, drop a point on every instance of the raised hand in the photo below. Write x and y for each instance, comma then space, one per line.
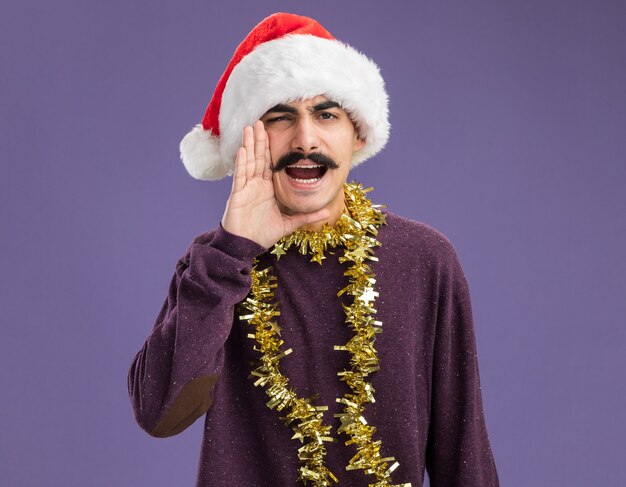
252, 210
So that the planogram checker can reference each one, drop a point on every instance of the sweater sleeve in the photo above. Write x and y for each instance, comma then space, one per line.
458, 450
171, 378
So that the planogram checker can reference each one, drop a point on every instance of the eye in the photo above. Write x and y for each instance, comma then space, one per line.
279, 118
326, 115
270, 120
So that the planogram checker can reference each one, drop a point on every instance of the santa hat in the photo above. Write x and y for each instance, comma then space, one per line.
286, 57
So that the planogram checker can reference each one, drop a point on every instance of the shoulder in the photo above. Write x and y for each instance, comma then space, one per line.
416, 260
412, 239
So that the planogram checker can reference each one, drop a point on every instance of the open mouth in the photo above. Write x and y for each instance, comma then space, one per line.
306, 174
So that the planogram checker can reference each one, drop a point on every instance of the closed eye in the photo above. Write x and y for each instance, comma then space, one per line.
279, 118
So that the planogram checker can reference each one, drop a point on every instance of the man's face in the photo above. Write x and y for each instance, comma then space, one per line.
319, 133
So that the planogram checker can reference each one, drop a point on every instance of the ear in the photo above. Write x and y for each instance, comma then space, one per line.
359, 143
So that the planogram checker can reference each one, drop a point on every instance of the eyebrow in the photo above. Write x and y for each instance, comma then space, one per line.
325, 105
283, 108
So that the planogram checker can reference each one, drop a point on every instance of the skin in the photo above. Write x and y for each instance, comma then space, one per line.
264, 206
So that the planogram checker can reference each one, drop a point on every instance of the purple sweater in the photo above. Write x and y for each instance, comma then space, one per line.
428, 409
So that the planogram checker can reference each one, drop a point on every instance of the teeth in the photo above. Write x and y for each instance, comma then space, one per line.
306, 181
309, 167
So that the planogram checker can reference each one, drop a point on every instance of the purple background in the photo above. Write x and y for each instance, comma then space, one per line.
509, 135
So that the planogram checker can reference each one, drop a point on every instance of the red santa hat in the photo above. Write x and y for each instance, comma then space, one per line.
284, 58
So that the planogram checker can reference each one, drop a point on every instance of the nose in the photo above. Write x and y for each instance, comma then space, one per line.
305, 137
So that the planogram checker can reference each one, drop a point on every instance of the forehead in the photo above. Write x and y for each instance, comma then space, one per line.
316, 100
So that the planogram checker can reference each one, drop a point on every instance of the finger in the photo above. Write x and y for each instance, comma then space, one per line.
259, 148
239, 177
248, 144
267, 170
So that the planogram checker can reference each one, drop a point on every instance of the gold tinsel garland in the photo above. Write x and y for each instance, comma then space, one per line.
356, 232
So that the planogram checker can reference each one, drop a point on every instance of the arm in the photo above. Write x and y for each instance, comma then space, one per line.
172, 377
458, 451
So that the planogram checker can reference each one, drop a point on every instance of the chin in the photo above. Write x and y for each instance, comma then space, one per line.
291, 207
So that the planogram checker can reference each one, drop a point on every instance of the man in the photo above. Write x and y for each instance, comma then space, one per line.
353, 324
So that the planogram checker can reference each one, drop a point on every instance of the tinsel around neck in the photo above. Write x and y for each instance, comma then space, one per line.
359, 219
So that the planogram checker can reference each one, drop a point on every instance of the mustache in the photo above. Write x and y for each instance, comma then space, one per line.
292, 157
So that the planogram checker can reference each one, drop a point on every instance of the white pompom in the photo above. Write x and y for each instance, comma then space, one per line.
200, 153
